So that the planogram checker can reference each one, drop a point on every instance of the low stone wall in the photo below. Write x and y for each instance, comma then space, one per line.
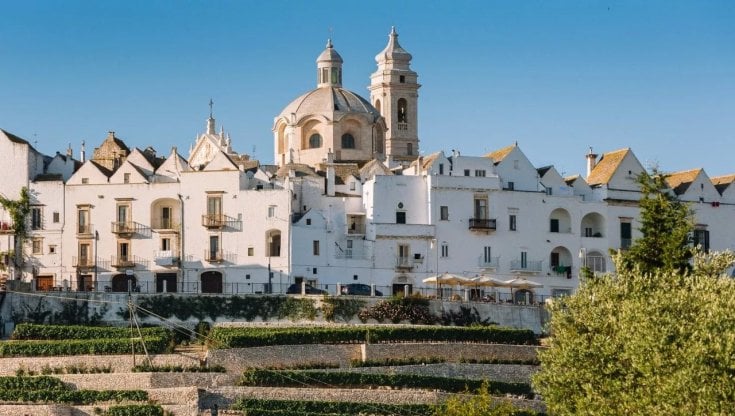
118, 363
145, 381
235, 360
451, 352
508, 373
36, 410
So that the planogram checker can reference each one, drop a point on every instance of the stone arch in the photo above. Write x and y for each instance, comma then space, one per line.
402, 110
273, 243
377, 107
593, 225
560, 261
595, 261
120, 283
560, 221
281, 138
212, 281
523, 296
165, 214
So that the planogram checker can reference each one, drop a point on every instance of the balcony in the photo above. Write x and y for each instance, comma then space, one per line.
85, 230
127, 262
166, 258
127, 228
165, 224
529, 266
220, 221
482, 224
356, 229
489, 263
404, 263
219, 256
349, 254
82, 262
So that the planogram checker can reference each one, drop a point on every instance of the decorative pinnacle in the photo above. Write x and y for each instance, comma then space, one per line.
211, 103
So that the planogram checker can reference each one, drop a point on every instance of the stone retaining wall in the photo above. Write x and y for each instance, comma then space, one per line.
35, 410
145, 381
118, 363
451, 352
235, 360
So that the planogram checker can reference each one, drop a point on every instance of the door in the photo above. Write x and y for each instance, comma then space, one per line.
211, 282
166, 218
167, 281
44, 283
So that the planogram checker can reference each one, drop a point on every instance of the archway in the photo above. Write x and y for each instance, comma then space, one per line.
211, 282
120, 283
593, 225
523, 297
595, 261
399, 286
560, 221
560, 261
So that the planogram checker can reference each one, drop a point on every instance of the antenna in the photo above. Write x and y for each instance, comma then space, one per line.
211, 103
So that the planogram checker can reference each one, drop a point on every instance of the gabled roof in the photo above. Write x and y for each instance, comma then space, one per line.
299, 169
104, 170
571, 179
427, 161
721, 183
372, 168
679, 181
498, 155
343, 172
606, 167
542, 170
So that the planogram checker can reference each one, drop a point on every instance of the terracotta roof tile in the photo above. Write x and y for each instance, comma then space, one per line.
606, 167
498, 155
723, 182
680, 181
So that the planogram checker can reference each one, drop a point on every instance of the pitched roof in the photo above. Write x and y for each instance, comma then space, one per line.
15, 139
372, 168
101, 168
606, 167
542, 170
299, 169
498, 155
680, 181
722, 182
571, 179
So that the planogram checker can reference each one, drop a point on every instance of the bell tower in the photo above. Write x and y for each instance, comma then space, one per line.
394, 93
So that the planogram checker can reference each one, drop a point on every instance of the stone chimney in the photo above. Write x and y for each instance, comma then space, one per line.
591, 161
82, 154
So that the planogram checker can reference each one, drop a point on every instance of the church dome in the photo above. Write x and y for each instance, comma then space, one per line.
332, 102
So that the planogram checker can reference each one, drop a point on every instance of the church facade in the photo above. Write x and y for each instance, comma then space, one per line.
348, 199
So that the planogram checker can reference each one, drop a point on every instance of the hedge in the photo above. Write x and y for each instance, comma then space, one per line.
32, 383
147, 368
65, 332
222, 337
264, 407
30, 348
259, 377
135, 410
77, 397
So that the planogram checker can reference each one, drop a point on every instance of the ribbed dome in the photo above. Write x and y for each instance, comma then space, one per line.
329, 101
329, 54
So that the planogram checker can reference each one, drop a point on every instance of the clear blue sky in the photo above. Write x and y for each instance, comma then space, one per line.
557, 76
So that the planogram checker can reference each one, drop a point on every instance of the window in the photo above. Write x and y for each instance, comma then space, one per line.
445, 250
409, 149
348, 141
701, 238
123, 214
480, 173
625, 234
166, 215
512, 222
251, 251
549, 191
487, 255
515, 164
165, 244
271, 211
554, 260
213, 247
56, 217
315, 247
402, 79
352, 186
51, 249
36, 245
402, 110
313, 270
400, 217
308, 221
83, 226
123, 251
588, 231
524, 259
403, 251
480, 209
85, 181
84, 254
315, 141
511, 186
126, 178
441, 168
35, 218
554, 225
466, 172
444, 213
214, 206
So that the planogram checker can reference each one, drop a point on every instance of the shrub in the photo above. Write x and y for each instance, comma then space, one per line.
31, 383
304, 407
29, 348
146, 368
398, 309
135, 410
66, 332
397, 362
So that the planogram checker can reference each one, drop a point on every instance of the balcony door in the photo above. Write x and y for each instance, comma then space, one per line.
480, 208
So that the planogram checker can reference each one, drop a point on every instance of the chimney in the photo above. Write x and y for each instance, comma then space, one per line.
591, 161
69, 151
82, 154
330, 173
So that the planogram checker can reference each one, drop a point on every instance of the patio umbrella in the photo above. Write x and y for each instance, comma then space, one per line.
487, 281
446, 279
521, 283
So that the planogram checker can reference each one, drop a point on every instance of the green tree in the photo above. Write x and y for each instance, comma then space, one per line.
644, 344
666, 224
18, 209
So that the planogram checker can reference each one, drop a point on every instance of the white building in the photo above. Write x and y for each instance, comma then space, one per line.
348, 200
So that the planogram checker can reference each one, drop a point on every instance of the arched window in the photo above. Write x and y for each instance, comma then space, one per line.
273, 243
377, 107
315, 141
348, 141
402, 110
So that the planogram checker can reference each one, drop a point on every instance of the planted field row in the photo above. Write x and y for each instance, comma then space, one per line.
66, 332
269, 378
222, 337
134, 410
46, 389
262, 407
30, 348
